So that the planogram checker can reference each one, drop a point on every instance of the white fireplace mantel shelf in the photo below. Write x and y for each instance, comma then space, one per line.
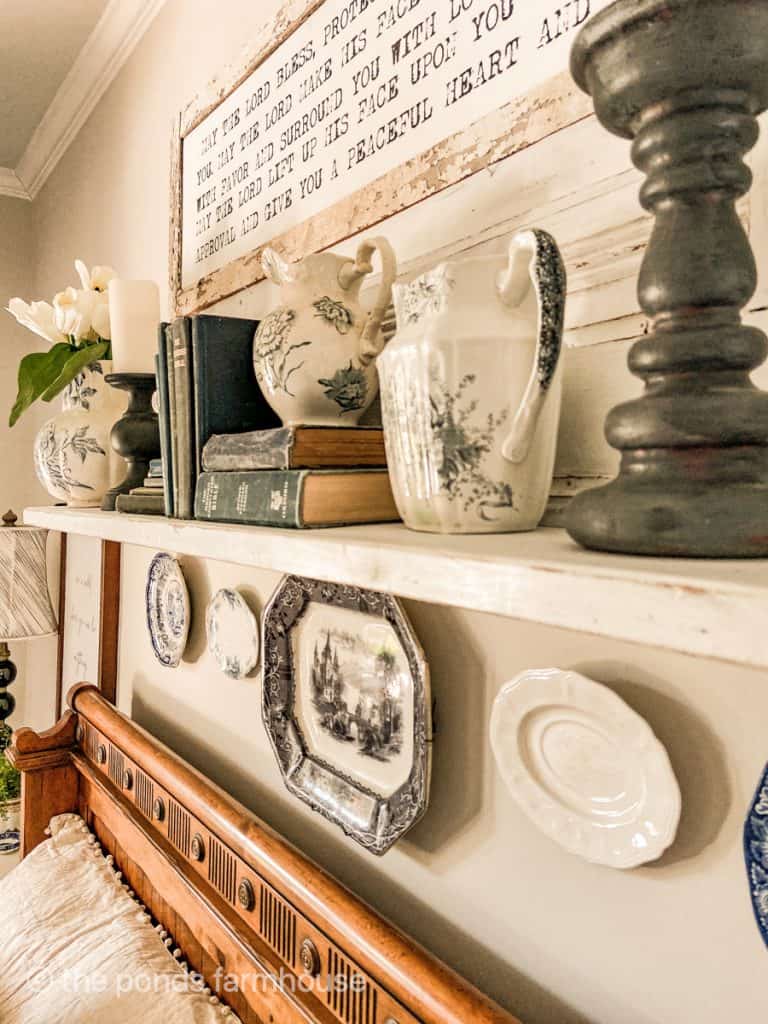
705, 608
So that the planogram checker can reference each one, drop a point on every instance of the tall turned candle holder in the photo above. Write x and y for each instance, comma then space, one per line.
136, 437
685, 79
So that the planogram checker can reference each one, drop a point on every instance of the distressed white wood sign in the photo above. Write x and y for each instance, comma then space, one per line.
354, 110
81, 623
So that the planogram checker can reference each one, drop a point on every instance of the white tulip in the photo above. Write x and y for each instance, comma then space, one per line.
74, 311
100, 316
38, 317
96, 279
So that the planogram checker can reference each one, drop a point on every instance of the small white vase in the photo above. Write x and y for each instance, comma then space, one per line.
471, 388
10, 827
74, 460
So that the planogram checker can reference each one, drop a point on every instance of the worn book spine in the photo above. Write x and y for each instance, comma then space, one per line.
271, 498
161, 375
141, 504
276, 449
172, 471
185, 441
258, 449
156, 467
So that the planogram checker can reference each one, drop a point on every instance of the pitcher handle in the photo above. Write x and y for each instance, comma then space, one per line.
535, 261
370, 346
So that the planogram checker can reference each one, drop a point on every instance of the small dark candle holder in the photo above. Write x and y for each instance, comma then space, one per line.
136, 437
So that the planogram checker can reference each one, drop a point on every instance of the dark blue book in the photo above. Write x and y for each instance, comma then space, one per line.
227, 397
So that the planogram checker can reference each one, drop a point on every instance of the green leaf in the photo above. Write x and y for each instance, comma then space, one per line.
76, 362
36, 373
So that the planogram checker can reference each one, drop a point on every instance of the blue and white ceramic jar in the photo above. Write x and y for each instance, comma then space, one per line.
471, 388
73, 454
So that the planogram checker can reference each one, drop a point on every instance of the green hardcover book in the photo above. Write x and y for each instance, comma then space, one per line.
173, 455
184, 453
227, 396
297, 499
141, 504
161, 374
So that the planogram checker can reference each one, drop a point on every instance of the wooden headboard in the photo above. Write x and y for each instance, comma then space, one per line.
242, 904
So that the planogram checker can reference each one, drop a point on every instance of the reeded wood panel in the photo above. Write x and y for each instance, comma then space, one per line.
145, 793
354, 1000
116, 765
277, 925
179, 827
222, 870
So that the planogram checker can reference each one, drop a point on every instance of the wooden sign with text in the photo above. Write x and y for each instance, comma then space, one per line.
355, 110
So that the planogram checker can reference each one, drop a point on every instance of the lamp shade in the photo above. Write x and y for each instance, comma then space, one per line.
25, 604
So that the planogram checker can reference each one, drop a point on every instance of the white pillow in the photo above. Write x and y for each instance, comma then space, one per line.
76, 948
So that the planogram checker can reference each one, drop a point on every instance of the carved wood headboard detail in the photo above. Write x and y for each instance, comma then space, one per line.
270, 931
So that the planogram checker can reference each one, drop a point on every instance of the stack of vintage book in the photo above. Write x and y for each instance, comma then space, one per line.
296, 477
149, 499
206, 385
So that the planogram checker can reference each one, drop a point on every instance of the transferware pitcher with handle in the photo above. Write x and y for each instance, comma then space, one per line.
315, 355
471, 388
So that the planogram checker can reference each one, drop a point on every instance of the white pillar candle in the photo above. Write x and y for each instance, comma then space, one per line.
134, 313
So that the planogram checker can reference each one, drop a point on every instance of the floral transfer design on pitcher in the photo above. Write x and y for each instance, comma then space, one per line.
463, 446
53, 450
273, 351
427, 295
348, 388
334, 313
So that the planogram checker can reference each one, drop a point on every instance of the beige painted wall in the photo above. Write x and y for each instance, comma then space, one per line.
18, 484
554, 939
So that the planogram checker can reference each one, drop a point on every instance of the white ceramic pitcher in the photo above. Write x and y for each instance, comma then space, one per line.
471, 388
315, 354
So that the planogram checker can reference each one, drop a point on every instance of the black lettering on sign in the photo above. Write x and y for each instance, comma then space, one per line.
459, 7
567, 17
425, 63
392, 14
496, 63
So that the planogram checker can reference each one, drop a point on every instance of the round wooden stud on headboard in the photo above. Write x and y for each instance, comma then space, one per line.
158, 809
246, 897
309, 957
101, 754
198, 848
128, 779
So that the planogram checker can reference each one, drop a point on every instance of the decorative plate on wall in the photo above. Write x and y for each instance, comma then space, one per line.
756, 854
585, 767
347, 707
233, 634
168, 609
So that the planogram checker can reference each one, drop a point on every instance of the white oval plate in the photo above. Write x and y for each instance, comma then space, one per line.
168, 609
233, 634
585, 767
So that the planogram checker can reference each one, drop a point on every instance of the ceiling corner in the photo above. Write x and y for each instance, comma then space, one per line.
106, 50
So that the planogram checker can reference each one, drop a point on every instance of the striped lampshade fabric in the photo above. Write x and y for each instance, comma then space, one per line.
25, 604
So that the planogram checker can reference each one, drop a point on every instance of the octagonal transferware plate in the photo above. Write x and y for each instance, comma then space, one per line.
168, 609
347, 707
585, 767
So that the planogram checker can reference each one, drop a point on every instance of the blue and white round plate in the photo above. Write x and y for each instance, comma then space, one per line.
168, 609
233, 634
756, 854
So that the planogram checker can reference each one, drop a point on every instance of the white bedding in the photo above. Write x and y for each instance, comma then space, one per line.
76, 948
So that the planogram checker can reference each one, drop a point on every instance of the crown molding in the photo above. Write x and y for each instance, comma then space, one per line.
12, 185
108, 47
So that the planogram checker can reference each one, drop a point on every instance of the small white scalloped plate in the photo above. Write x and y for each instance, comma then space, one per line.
233, 634
168, 609
585, 767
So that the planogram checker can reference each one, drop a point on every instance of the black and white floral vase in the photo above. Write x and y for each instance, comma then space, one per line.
74, 460
315, 355
471, 390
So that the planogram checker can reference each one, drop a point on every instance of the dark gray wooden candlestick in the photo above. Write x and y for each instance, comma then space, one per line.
137, 435
685, 79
